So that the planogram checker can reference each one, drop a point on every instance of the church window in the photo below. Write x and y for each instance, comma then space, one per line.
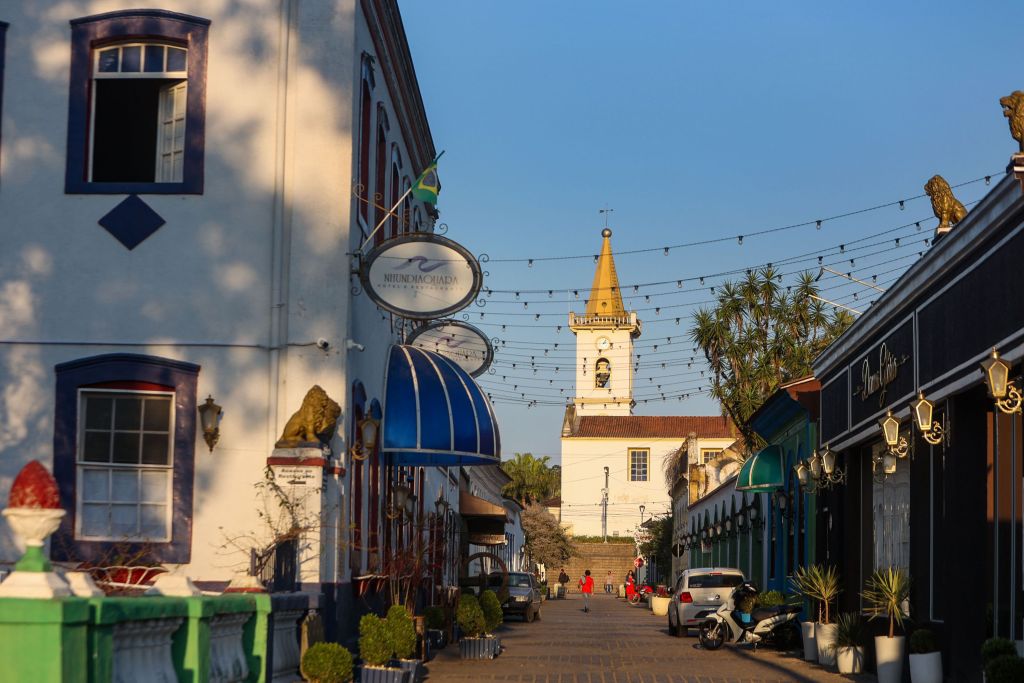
638, 458
602, 374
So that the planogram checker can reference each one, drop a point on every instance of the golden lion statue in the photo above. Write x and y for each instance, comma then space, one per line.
947, 208
1013, 109
313, 423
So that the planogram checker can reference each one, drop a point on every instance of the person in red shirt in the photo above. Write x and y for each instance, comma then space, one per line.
587, 588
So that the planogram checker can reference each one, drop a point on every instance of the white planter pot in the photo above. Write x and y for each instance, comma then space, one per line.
824, 637
889, 654
810, 648
850, 660
926, 668
660, 606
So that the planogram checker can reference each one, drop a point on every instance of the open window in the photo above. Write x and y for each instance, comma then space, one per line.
602, 373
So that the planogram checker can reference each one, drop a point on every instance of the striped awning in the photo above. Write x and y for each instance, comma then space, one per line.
762, 472
435, 413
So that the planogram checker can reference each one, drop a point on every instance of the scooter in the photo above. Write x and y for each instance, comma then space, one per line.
638, 594
767, 624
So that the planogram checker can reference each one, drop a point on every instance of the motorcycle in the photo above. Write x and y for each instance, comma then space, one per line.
776, 625
635, 595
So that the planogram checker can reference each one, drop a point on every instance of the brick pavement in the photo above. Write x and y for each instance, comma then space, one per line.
618, 643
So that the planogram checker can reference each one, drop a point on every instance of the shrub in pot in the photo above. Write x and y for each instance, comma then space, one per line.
493, 616
1005, 669
885, 593
996, 647
470, 618
770, 599
848, 645
802, 584
402, 634
820, 584
375, 648
925, 658
745, 605
327, 663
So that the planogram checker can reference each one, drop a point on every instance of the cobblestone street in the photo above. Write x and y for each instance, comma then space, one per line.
617, 643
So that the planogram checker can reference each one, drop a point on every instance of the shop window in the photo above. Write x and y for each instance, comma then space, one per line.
124, 447
638, 461
890, 500
136, 107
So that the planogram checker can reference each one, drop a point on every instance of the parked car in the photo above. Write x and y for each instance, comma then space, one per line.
698, 593
524, 598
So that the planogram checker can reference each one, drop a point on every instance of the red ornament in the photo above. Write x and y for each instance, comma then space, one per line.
34, 487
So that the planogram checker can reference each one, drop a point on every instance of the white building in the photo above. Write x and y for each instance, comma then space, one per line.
178, 213
603, 443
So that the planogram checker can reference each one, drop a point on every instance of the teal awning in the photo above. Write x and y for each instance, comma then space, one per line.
762, 472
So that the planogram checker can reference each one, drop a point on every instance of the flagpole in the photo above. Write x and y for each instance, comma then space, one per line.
384, 220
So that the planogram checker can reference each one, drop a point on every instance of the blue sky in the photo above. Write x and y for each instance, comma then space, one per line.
694, 121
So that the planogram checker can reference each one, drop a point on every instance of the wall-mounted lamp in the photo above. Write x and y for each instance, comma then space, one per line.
367, 430
921, 410
741, 520
209, 418
1007, 394
897, 444
819, 472
401, 501
728, 526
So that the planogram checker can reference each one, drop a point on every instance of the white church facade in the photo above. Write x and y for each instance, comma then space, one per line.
605, 446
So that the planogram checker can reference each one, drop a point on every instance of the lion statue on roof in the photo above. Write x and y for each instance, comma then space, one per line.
313, 423
1013, 109
947, 208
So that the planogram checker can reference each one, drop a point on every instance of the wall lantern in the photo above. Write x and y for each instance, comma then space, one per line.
897, 444
803, 474
889, 463
718, 529
401, 495
367, 431
814, 465
209, 418
828, 461
921, 410
1006, 394
753, 513
819, 472
741, 520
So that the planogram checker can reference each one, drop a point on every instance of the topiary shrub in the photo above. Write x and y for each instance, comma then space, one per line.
401, 632
996, 647
470, 617
770, 599
492, 611
434, 616
922, 641
327, 663
1005, 669
374, 643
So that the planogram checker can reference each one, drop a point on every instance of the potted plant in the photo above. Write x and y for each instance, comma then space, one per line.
770, 599
848, 645
745, 605
1005, 669
1004, 651
402, 634
885, 593
434, 617
493, 616
825, 590
327, 663
470, 619
375, 648
802, 583
925, 658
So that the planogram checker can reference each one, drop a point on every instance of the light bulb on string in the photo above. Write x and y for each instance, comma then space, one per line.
529, 263
818, 225
901, 205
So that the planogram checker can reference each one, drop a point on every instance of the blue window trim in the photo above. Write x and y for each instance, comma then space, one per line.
87, 33
125, 367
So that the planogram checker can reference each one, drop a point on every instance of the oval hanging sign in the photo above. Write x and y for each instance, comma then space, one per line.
421, 276
458, 341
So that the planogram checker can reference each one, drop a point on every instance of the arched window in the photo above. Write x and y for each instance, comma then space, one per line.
380, 177
365, 109
396, 169
602, 373
406, 212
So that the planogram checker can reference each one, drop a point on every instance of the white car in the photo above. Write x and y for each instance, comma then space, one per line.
698, 593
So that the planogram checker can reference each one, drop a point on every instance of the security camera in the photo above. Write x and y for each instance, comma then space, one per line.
350, 344
322, 344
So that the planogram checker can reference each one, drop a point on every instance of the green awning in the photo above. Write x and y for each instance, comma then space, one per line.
762, 472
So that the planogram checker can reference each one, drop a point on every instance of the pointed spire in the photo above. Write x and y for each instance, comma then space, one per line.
605, 297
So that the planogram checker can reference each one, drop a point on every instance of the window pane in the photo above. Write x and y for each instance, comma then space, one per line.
154, 486
154, 58
126, 448
123, 520
95, 485
97, 412
127, 414
124, 486
176, 59
131, 58
154, 521
156, 414
154, 449
125, 130
108, 61
96, 447
95, 520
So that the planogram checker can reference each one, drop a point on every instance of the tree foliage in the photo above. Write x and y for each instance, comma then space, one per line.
658, 550
533, 480
761, 334
546, 541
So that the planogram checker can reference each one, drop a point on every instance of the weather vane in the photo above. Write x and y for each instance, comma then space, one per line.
605, 211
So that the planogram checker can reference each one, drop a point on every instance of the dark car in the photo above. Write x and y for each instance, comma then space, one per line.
523, 594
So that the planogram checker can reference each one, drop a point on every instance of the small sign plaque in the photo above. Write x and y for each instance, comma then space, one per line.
296, 475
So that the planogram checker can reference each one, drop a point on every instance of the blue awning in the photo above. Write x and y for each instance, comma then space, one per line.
435, 413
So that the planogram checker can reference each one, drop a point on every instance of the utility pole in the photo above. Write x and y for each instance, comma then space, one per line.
604, 507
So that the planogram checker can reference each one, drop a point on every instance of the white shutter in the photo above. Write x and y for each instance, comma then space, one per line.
171, 143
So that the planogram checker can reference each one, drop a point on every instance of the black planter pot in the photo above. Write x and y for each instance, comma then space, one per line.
372, 674
476, 648
437, 638
410, 665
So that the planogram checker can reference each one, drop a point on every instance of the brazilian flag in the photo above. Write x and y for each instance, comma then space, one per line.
428, 186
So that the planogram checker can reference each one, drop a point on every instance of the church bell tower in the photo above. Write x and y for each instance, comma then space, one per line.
604, 344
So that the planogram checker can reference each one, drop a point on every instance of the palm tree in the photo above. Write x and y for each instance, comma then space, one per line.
532, 479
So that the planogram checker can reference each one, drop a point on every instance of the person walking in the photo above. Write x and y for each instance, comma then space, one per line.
608, 583
587, 588
563, 583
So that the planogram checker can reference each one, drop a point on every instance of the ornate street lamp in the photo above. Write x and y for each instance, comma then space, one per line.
1007, 394
209, 418
897, 444
921, 410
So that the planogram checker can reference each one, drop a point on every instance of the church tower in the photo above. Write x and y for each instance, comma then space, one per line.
604, 344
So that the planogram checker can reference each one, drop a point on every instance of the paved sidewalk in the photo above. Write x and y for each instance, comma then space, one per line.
618, 643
